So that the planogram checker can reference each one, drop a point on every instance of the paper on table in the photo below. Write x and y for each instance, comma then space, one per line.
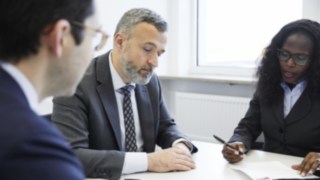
268, 170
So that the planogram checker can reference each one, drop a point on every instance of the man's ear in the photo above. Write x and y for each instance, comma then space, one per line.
57, 37
119, 39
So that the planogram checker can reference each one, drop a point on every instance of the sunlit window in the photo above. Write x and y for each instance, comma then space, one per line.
235, 32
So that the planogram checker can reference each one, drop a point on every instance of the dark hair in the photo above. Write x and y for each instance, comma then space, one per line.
269, 71
138, 15
23, 21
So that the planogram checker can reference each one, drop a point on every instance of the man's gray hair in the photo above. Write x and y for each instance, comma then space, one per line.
139, 15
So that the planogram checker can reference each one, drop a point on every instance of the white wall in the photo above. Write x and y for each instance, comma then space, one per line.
311, 9
111, 11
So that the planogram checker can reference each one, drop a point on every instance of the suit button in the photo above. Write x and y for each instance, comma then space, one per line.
281, 130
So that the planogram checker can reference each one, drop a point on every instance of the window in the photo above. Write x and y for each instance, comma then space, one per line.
232, 34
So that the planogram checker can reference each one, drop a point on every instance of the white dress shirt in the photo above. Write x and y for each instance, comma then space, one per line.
134, 161
292, 95
24, 83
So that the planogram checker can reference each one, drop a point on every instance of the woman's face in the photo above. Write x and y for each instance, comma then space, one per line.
295, 56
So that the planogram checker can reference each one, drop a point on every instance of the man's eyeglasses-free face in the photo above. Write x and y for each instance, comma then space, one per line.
102, 40
300, 59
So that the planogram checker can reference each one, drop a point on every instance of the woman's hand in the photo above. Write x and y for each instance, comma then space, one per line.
232, 155
309, 164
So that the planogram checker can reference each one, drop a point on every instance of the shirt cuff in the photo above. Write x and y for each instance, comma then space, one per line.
187, 143
135, 162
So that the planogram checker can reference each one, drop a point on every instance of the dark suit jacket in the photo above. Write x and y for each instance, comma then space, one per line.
31, 147
90, 120
297, 134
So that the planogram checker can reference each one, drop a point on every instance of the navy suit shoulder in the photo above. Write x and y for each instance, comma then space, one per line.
31, 148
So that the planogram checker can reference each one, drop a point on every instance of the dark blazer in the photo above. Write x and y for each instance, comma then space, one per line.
90, 120
297, 134
31, 147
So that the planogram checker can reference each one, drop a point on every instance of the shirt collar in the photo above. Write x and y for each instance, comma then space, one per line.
116, 79
300, 86
24, 84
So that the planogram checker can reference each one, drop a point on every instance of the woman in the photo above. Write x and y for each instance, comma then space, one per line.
286, 104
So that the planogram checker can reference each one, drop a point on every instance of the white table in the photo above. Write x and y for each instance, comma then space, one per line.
211, 165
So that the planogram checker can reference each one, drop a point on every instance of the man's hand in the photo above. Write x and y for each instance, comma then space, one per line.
182, 145
309, 164
177, 158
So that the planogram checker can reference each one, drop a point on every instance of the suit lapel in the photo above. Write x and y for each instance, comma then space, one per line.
107, 96
278, 110
300, 109
146, 117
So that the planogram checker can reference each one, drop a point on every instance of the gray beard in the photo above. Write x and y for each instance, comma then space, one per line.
132, 73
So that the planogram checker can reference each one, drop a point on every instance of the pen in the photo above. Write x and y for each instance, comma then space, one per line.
223, 142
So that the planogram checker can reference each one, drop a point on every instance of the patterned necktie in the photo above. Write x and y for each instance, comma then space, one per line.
130, 133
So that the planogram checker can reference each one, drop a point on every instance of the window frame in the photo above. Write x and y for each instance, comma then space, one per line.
310, 10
